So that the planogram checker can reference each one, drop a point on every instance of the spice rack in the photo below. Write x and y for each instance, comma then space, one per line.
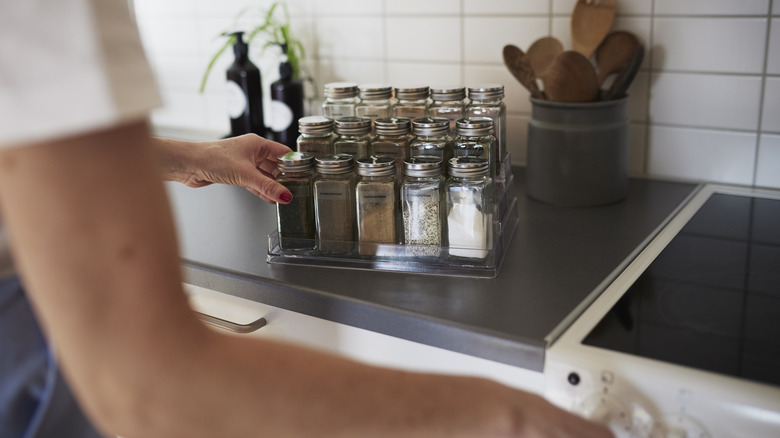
401, 258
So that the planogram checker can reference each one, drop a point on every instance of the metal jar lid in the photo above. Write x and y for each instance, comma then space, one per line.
474, 127
353, 125
376, 166
335, 164
423, 165
315, 125
411, 93
375, 91
448, 94
486, 92
465, 167
392, 126
431, 126
341, 90
295, 162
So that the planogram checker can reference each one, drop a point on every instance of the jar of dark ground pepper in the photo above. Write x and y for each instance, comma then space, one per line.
295, 220
334, 204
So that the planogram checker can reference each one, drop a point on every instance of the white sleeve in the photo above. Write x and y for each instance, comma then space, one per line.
70, 66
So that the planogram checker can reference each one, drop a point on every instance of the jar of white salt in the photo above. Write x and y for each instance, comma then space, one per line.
469, 190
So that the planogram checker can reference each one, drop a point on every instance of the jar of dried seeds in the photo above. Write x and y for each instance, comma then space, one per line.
487, 100
411, 102
334, 204
422, 206
295, 220
352, 136
469, 191
392, 140
475, 139
316, 136
341, 98
449, 103
376, 205
431, 138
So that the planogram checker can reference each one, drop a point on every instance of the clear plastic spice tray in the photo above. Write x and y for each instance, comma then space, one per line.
411, 258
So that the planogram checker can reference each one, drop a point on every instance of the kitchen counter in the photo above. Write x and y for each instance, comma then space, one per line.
558, 262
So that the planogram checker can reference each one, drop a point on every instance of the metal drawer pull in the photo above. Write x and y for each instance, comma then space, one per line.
229, 325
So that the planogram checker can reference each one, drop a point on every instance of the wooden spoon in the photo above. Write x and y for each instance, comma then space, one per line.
626, 75
542, 53
517, 63
571, 78
613, 54
590, 23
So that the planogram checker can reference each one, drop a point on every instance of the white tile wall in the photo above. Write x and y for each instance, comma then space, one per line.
705, 105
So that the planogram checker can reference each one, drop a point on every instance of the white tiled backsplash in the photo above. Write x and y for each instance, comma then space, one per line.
705, 106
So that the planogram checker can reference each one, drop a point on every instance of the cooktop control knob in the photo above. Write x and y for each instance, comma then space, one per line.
609, 410
682, 426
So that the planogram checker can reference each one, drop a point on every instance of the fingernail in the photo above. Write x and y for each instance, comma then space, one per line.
285, 197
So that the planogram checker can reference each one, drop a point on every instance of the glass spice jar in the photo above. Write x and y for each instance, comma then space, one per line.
431, 137
469, 191
295, 220
392, 140
334, 204
352, 136
448, 103
423, 206
341, 98
487, 100
376, 195
316, 136
475, 139
374, 101
411, 102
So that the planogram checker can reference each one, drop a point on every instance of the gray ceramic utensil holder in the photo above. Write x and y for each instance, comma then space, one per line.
578, 152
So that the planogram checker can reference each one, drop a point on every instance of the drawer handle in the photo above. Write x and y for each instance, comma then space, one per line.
229, 325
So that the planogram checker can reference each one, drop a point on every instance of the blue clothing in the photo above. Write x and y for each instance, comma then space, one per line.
35, 400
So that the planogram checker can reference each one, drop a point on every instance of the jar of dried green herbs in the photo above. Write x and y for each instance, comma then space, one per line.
431, 138
295, 220
334, 204
352, 136
316, 136
376, 204
423, 205
341, 98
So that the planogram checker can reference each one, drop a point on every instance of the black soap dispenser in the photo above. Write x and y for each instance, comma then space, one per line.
245, 92
286, 103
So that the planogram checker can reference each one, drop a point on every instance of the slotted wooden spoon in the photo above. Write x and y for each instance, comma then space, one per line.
590, 23
614, 53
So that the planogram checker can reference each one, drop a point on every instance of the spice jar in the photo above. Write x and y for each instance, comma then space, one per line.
352, 136
340, 100
376, 204
392, 140
469, 191
295, 220
487, 101
475, 139
422, 206
411, 102
431, 137
316, 136
449, 103
374, 101
334, 204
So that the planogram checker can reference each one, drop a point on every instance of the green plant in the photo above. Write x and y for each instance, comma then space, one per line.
276, 32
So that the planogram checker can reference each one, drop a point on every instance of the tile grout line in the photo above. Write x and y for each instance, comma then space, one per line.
648, 89
762, 95
462, 42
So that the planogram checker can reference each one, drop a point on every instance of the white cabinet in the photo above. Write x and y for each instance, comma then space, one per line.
358, 344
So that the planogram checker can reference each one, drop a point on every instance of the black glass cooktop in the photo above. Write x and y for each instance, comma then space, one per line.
711, 300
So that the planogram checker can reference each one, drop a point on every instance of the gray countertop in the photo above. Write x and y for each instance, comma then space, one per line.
557, 263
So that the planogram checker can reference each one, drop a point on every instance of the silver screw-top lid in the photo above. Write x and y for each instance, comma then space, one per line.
376, 166
375, 91
295, 162
430, 126
341, 90
392, 126
474, 127
411, 93
486, 92
353, 125
465, 167
335, 164
315, 125
448, 94
423, 165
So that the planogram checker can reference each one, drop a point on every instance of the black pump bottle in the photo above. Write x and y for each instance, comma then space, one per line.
286, 103
245, 92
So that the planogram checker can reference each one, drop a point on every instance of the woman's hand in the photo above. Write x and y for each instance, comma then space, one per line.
248, 161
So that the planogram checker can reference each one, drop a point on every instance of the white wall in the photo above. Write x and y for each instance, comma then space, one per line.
706, 104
